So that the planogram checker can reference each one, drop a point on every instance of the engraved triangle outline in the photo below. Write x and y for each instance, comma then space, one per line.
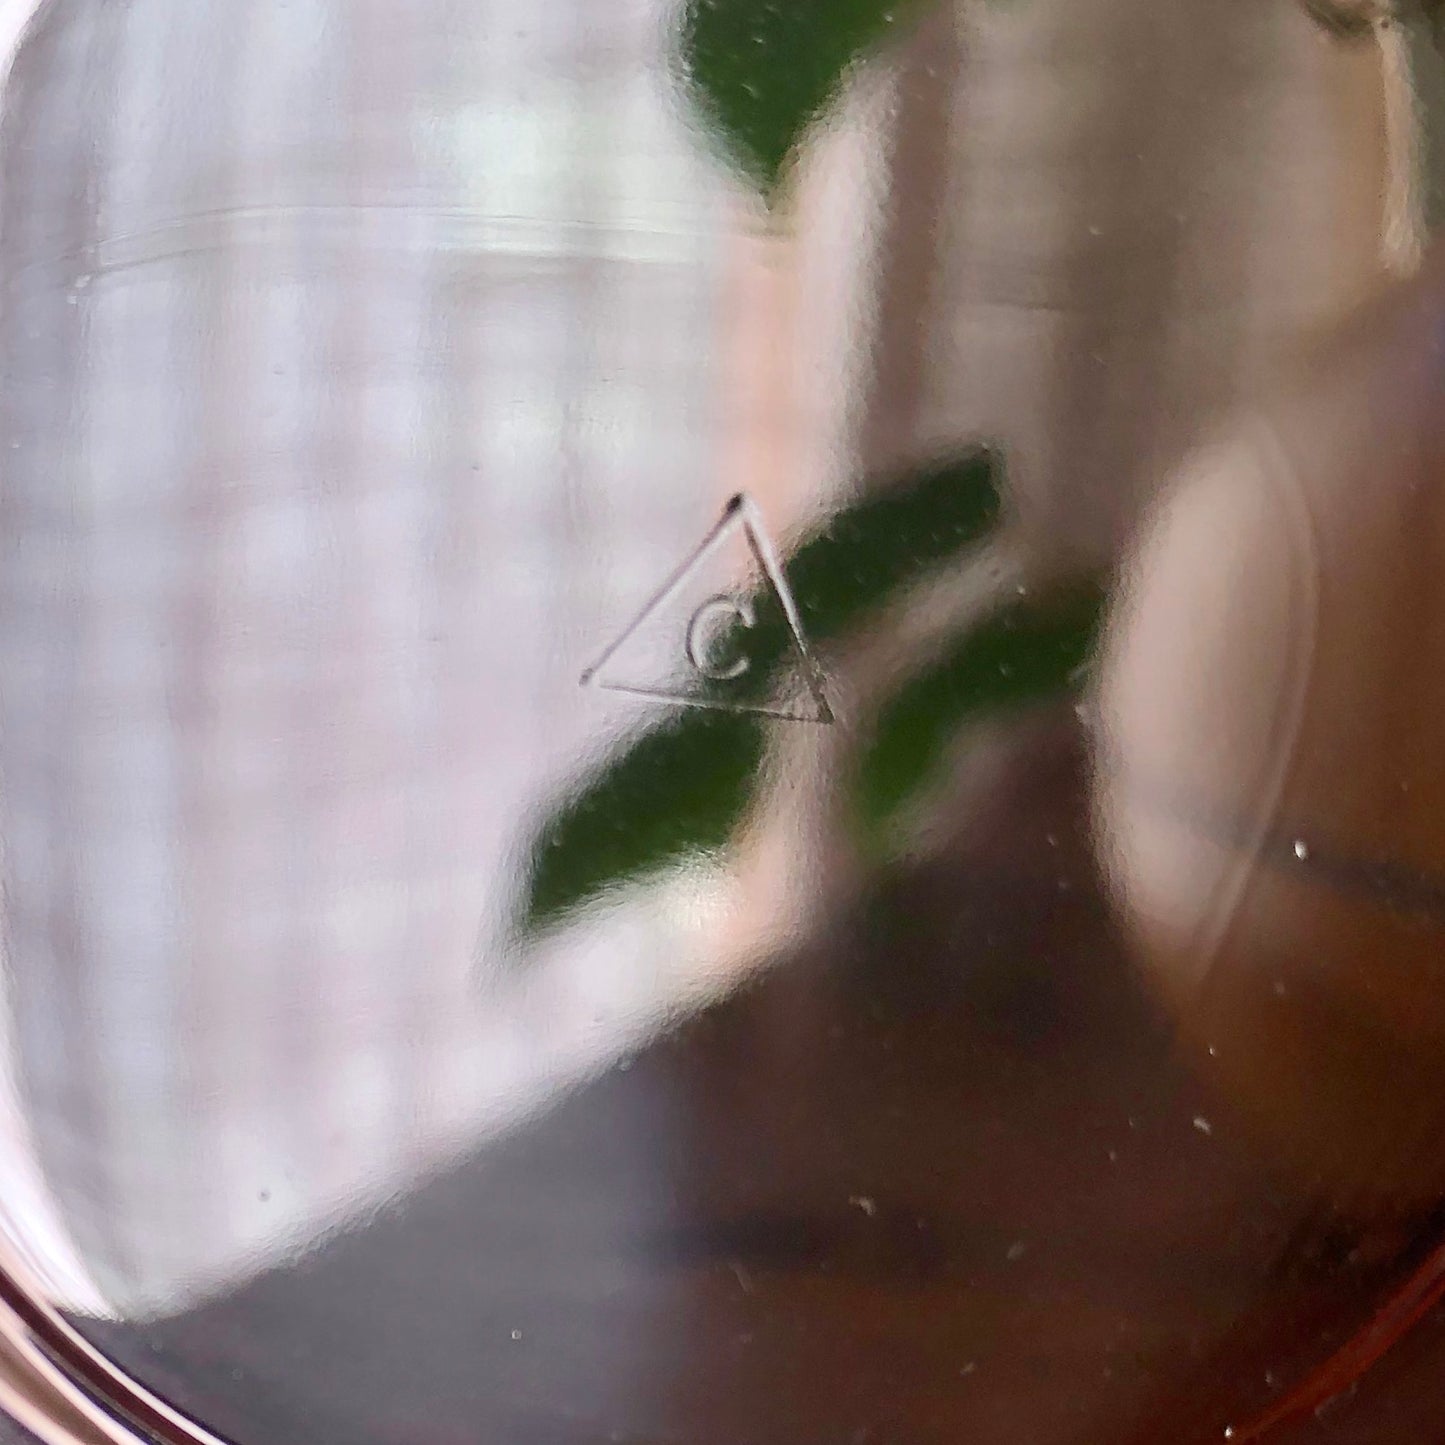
740, 506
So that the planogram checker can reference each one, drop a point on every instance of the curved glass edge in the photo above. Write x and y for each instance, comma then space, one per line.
61, 1389
52, 1383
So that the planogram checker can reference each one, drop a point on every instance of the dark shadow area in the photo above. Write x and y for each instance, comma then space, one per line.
937, 1177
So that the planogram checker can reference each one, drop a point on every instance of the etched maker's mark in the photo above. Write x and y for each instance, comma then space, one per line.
714, 639
704, 628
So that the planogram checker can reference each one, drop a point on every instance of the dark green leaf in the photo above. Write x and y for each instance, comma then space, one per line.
1029, 650
674, 791
763, 70
895, 535
683, 787
1348, 19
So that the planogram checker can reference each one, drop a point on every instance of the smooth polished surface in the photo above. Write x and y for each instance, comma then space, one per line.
506, 941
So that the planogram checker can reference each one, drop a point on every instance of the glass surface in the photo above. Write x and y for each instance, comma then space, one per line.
625, 817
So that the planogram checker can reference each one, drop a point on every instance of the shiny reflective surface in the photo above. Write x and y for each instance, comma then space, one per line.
497, 953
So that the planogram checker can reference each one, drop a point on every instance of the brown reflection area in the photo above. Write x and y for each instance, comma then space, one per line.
1296, 935
1303, 611
941, 1174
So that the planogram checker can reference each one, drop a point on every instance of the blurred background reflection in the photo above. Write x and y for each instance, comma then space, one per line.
364, 368
358, 363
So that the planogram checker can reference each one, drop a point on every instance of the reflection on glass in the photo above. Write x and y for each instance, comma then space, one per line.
409, 1043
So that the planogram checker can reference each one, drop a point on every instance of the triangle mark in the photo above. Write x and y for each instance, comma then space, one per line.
689, 644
